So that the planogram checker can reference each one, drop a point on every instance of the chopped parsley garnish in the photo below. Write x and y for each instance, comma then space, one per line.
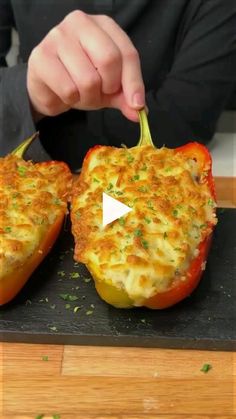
130, 158
143, 189
147, 220
89, 312
134, 178
168, 169
56, 416
145, 244
76, 309
53, 328
175, 213
61, 273
206, 367
67, 306
118, 193
110, 186
144, 167
56, 201
40, 416
86, 280
150, 206
44, 358
74, 275
78, 214
7, 229
138, 232
121, 221
44, 300
203, 226
211, 203
96, 180
22, 170
68, 297
128, 236
165, 235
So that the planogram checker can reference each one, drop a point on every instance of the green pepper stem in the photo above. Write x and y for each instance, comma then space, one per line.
145, 135
21, 149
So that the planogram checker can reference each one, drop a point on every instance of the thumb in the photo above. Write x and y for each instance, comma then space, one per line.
118, 101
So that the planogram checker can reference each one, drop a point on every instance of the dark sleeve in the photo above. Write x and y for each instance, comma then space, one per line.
16, 122
194, 93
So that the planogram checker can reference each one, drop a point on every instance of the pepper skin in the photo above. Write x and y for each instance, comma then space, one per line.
11, 284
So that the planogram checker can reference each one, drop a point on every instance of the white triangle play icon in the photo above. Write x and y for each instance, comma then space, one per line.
112, 209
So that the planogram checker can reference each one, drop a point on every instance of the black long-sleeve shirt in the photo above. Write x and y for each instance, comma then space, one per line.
188, 56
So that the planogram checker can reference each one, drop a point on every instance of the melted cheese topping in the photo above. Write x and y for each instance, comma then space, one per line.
153, 245
31, 199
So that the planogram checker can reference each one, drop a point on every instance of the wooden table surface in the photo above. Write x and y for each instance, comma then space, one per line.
118, 383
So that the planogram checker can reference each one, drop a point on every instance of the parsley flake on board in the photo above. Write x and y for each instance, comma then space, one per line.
76, 309
61, 273
53, 328
74, 275
206, 367
68, 297
44, 358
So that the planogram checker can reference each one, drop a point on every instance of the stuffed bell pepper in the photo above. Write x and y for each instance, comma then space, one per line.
33, 204
155, 255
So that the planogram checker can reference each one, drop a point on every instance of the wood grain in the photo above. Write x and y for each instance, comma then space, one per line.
118, 383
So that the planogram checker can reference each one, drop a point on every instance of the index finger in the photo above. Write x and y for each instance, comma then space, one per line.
131, 79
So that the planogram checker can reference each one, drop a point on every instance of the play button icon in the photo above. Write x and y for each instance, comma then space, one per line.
112, 209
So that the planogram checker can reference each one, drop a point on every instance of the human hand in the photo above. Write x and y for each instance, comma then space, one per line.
86, 62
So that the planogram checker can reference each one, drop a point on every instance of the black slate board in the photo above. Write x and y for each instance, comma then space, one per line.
206, 320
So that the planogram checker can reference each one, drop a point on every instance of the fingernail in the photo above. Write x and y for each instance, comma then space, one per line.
138, 100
